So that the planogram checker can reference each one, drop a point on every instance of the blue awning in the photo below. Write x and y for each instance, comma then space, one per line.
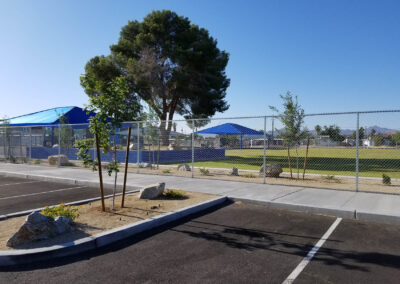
74, 115
230, 129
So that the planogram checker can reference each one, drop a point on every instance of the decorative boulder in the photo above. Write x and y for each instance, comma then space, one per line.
235, 172
271, 170
152, 191
53, 160
184, 168
39, 227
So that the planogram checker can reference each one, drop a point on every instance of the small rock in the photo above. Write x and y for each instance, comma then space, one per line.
152, 191
271, 170
235, 172
39, 227
184, 168
53, 160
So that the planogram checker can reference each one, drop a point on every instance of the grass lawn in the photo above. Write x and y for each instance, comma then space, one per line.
333, 161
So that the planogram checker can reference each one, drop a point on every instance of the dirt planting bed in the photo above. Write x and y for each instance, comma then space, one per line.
92, 220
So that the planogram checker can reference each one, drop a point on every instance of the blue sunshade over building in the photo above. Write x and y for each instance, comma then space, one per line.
73, 115
230, 129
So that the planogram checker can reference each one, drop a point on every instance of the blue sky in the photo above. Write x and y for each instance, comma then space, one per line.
335, 55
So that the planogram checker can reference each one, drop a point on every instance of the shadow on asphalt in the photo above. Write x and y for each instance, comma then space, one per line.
240, 238
113, 247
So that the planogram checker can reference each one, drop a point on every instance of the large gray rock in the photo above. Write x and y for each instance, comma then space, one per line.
53, 160
271, 170
184, 168
144, 165
39, 227
152, 191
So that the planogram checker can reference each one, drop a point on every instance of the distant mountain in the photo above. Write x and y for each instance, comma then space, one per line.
378, 130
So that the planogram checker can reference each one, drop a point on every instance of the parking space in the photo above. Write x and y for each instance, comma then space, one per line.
365, 252
19, 194
237, 243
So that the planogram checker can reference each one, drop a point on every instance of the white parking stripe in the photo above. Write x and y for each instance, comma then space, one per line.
8, 184
38, 193
296, 272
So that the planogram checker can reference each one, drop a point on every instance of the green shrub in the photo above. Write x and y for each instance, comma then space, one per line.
386, 179
37, 162
248, 175
167, 171
204, 172
332, 178
71, 212
174, 194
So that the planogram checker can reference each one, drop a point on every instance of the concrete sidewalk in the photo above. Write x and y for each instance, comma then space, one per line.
365, 206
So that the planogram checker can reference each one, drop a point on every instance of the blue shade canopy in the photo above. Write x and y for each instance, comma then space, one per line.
52, 116
230, 129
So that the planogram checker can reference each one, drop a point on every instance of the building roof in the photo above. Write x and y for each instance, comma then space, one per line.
230, 129
73, 114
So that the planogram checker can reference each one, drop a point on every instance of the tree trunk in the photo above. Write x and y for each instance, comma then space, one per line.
297, 161
306, 157
150, 164
158, 156
115, 177
290, 165
164, 133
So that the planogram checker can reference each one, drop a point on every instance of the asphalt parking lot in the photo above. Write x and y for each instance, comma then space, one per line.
234, 243
19, 194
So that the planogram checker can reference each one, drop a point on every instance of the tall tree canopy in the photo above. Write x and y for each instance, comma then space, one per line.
171, 64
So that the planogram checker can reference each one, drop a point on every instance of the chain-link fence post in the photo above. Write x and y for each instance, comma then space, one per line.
5, 142
357, 148
138, 148
265, 146
30, 145
59, 145
192, 148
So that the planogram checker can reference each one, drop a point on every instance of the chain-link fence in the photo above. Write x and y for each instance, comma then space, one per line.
351, 151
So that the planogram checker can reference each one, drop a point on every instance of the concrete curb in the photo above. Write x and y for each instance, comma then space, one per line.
18, 257
348, 214
65, 180
83, 201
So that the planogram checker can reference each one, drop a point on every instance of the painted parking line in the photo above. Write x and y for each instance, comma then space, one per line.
296, 272
45, 192
17, 183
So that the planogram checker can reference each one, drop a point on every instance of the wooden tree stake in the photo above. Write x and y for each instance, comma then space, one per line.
103, 207
126, 165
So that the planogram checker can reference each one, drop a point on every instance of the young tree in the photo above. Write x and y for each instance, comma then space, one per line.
111, 110
151, 134
396, 138
318, 130
170, 63
292, 118
333, 131
372, 133
66, 134
6, 137
361, 134
379, 140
